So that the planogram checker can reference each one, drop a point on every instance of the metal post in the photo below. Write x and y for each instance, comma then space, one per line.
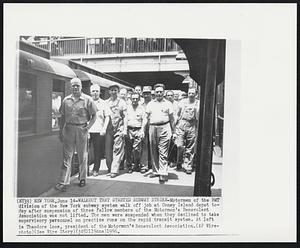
124, 45
50, 42
165, 45
205, 131
85, 43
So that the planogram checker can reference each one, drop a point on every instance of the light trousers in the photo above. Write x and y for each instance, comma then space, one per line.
160, 137
74, 139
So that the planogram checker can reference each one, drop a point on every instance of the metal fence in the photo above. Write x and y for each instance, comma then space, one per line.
74, 46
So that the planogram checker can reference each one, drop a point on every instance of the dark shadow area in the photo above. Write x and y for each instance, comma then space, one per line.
172, 176
111, 188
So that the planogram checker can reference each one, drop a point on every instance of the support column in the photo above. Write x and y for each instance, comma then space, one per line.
206, 119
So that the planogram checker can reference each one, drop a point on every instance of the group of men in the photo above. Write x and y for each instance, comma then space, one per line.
140, 129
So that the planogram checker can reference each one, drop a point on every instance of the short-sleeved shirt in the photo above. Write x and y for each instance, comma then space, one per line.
159, 112
78, 111
175, 107
189, 111
117, 110
135, 116
101, 114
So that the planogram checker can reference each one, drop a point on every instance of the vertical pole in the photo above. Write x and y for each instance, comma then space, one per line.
206, 119
85, 43
124, 45
165, 45
50, 42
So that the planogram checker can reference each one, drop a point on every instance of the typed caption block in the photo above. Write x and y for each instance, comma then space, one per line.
118, 216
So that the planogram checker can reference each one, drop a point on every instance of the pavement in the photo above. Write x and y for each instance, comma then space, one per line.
137, 184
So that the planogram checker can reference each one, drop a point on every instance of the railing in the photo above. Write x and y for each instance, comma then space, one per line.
74, 46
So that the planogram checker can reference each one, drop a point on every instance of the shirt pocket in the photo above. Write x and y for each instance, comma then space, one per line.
138, 116
165, 110
82, 112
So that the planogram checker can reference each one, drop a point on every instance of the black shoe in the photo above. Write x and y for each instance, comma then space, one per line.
178, 167
163, 179
60, 187
82, 183
130, 171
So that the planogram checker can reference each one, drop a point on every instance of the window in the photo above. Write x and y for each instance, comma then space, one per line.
58, 93
27, 103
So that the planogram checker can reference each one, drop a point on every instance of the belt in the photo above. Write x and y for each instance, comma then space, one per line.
159, 124
77, 124
190, 121
134, 128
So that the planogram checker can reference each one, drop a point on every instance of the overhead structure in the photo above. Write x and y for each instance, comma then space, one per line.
206, 58
103, 82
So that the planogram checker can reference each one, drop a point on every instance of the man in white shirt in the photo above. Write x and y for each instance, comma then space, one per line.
159, 114
98, 130
135, 133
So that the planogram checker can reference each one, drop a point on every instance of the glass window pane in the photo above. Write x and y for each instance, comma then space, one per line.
57, 97
27, 103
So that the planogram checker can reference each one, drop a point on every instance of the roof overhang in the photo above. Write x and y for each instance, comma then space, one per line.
34, 62
103, 82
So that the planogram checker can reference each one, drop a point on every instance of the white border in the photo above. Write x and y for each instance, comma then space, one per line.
267, 174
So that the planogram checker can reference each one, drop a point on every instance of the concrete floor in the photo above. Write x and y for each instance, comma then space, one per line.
137, 184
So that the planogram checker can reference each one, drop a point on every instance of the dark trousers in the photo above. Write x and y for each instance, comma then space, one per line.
98, 144
133, 148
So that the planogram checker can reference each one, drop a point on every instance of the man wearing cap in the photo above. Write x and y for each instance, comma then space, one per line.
116, 131
159, 114
146, 158
78, 112
98, 130
188, 111
135, 133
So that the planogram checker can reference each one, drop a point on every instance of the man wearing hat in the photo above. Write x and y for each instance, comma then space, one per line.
78, 112
116, 131
146, 158
159, 113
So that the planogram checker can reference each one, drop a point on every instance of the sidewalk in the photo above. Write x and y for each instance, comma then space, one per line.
137, 184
